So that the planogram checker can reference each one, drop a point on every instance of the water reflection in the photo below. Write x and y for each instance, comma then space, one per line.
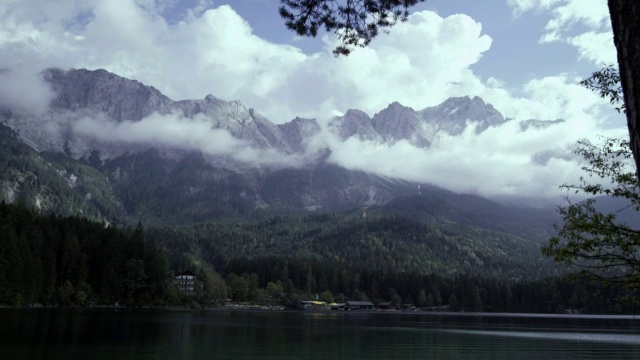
108, 334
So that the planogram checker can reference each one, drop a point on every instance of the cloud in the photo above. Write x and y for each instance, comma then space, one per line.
567, 22
216, 52
22, 89
595, 47
419, 63
552, 97
502, 161
176, 131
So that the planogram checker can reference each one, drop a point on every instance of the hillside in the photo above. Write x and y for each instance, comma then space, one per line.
225, 182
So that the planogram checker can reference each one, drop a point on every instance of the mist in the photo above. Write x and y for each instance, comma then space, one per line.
502, 161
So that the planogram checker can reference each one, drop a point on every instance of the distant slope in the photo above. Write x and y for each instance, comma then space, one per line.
433, 244
473, 210
53, 183
622, 208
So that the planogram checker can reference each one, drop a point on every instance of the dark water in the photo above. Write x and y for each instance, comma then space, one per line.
130, 334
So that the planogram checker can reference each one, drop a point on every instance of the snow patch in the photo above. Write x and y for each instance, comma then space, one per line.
72, 180
38, 202
9, 191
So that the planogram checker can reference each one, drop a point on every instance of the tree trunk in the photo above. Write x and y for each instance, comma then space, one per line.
625, 21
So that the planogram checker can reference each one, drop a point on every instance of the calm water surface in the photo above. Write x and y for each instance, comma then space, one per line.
131, 334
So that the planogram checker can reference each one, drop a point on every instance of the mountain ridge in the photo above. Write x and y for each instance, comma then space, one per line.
217, 185
99, 92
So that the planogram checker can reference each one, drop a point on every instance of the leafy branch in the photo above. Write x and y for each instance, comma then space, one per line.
602, 247
354, 22
606, 82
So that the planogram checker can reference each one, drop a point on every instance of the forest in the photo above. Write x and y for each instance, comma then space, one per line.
53, 260
47, 260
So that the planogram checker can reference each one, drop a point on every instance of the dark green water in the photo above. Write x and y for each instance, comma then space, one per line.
131, 334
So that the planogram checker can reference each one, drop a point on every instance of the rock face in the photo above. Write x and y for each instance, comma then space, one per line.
355, 123
455, 114
398, 122
299, 131
234, 117
119, 98
100, 94
173, 184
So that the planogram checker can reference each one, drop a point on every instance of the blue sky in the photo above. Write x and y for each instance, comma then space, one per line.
516, 54
525, 57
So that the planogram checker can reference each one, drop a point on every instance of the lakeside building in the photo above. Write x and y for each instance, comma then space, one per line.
186, 281
359, 305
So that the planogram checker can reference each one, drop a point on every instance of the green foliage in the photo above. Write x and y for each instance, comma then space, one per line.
131, 188
355, 22
382, 242
238, 286
606, 82
463, 292
54, 183
602, 247
74, 261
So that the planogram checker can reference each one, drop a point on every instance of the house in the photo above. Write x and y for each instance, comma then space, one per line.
408, 307
186, 281
386, 306
359, 305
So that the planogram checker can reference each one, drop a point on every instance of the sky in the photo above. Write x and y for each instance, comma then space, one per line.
525, 57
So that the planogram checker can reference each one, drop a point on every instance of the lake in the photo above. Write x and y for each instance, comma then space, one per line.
155, 334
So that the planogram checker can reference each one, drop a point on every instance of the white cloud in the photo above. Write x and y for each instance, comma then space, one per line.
567, 22
216, 52
176, 131
549, 98
420, 63
21, 88
593, 13
596, 47
501, 162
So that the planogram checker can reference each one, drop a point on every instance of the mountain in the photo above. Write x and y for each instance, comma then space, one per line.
355, 123
398, 122
239, 121
265, 189
299, 131
626, 213
420, 128
101, 91
53, 182
161, 182
455, 114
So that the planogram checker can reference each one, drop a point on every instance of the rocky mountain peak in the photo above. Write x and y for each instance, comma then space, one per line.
298, 131
454, 114
99, 90
399, 122
355, 123
88, 93
233, 116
